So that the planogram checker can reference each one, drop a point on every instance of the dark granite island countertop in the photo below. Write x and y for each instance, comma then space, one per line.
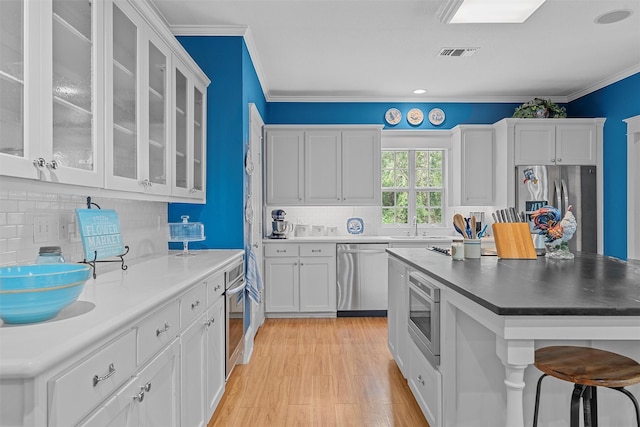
588, 285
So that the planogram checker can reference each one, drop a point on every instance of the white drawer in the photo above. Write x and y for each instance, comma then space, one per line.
318, 249
158, 330
215, 287
193, 303
280, 249
75, 393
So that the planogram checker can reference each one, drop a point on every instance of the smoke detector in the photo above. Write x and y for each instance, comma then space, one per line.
457, 51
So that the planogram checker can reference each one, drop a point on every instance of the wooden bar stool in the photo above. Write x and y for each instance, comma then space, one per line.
587, 368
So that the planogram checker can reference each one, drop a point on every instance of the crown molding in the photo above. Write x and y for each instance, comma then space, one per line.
604, 82
228, 30
416, 99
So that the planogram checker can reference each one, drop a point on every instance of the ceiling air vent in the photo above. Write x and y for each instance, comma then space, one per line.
457, 51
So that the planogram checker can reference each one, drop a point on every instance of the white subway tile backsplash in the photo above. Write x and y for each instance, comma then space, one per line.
138, 221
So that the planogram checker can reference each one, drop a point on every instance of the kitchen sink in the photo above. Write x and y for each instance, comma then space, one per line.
420, 237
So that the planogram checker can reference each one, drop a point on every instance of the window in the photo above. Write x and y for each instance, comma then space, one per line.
412, 186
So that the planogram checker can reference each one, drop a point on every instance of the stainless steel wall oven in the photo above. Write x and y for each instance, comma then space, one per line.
424, 316
234, 307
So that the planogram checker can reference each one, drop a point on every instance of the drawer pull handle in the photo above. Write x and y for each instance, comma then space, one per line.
166, 328
316, 250
140, 396
97, 378
217, 288
195, 304
281, 251
420, 380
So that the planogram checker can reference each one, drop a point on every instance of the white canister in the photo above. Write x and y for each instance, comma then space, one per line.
332, 230
472, 248
457, 250
317, 230
302, 230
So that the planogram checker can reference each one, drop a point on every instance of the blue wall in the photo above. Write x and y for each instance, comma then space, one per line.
373, 113
234, 83
616, 102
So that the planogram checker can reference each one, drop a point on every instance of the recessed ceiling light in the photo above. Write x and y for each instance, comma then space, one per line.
419, 91
613, 16
487, 11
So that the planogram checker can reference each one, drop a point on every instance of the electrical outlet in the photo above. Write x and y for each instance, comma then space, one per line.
45, 228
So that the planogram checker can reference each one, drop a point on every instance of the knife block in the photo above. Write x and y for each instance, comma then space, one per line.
513, 240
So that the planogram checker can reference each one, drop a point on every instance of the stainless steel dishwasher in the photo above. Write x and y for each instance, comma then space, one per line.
362, 279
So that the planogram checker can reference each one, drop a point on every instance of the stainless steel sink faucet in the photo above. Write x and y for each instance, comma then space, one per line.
415, 222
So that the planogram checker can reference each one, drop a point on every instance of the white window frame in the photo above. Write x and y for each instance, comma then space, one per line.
399, 140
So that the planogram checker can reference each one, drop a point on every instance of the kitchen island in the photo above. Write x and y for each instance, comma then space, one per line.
495, 313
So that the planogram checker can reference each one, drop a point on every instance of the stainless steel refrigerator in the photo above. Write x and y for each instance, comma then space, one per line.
561, 186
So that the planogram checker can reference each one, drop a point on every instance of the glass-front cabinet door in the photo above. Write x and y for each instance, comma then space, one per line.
189, 121
137, 132
49, 64
76, 141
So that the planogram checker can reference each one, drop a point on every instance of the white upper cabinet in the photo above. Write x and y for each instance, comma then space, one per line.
189, 132
50, 83
555, 143
137, 104
327, 165
87, 98
472, 171
284, 166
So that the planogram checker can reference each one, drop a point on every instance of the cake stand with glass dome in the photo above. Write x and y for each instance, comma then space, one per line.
186, 232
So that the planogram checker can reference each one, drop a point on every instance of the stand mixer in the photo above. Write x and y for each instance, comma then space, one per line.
279, 227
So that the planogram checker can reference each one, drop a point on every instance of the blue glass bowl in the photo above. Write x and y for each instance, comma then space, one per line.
34, 293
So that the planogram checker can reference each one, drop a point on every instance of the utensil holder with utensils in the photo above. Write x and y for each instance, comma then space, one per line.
513, 240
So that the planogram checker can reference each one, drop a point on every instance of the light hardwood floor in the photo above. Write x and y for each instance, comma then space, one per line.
319, 372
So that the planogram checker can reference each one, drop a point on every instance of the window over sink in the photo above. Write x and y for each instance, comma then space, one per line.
413, 186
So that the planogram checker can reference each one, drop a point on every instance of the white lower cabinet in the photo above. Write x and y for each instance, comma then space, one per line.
425, 382
193, 378
150, 398
397, 315
300, 278
215, 357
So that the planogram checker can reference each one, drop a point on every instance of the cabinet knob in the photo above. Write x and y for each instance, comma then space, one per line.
559, 160
420, 380
39, 162
195, 304
553, 160
147, 386
139, 397
53, 164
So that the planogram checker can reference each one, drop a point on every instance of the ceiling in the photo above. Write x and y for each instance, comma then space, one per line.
381, 50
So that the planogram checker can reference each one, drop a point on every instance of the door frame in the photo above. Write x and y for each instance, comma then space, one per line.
633, 189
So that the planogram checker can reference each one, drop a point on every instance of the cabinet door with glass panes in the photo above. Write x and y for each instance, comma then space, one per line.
137, 104
50, 66
189, 133
412, 188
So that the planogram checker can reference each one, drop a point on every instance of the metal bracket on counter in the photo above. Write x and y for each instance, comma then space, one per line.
93, 262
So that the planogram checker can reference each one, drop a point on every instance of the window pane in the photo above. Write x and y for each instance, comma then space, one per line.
435, 198
422, 198
435, 178
422, 159
422, 215
388, 198
388, 159
402, 159
387, 178
388, 216
402, 178
435, 159
435, 216
402, 198
402, 216
422, 178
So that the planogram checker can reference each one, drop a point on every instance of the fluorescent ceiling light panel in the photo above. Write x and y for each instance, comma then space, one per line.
487, 11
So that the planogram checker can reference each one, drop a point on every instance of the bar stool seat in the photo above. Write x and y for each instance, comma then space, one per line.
587, 368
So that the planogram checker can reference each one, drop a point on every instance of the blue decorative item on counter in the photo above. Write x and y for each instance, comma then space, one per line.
100, 233
38, 292
355, 226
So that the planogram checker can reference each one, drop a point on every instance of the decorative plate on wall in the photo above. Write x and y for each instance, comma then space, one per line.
415, 116
436, 116
393, 116
355, 225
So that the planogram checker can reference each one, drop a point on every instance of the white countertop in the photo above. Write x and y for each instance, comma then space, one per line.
120, 297
359, 238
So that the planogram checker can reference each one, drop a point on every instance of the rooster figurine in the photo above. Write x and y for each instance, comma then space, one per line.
557, 231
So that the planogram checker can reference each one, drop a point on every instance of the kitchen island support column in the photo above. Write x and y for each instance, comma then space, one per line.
515, 355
